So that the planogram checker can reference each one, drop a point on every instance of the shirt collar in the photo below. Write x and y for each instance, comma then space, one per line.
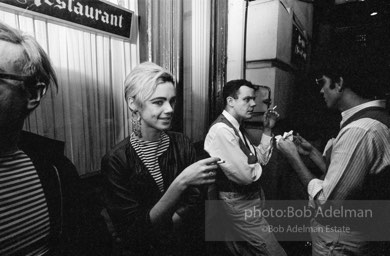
231, 119
350, 112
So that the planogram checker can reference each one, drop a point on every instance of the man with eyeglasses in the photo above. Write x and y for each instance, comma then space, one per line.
355, 164
38, 184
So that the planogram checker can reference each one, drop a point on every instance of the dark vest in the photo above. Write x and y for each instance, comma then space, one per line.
376, 186
222, 182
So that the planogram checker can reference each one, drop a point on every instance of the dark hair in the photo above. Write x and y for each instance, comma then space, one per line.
232, 87
365, 74
329, 69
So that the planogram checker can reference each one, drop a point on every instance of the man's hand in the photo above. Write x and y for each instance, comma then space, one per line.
270, 117
288, 148
304, 147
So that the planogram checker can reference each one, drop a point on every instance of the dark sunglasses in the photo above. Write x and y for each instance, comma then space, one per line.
26, 79
29, 81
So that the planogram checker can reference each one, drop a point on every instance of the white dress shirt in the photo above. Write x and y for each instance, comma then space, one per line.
221, 141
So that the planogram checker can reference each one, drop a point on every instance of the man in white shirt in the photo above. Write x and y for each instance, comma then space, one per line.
356, 163
237, 183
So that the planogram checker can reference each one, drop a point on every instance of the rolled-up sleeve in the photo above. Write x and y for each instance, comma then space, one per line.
223, 143
264, 149
352, 156
314, 187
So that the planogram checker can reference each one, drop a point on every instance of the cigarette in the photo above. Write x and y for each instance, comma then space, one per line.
274, 107
220, 162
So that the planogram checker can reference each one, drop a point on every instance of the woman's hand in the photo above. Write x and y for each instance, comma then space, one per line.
177, 222
199, 173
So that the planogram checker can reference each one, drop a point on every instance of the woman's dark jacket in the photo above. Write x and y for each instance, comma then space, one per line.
131, 193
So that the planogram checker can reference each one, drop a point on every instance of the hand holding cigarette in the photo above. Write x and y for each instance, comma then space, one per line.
220, 161
272, 113
270, 117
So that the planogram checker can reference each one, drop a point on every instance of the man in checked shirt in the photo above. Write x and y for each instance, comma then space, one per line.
355, 163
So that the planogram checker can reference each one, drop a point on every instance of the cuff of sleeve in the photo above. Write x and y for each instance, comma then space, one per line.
148, 221
314, 187
181, 211
257, 172
266, 140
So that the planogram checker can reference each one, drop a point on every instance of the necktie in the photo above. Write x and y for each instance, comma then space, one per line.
243, 132
252, 158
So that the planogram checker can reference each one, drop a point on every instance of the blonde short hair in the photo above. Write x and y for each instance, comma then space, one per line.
37, 63
143, 80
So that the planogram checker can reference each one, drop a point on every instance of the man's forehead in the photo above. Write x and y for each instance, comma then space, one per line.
12, 57
245, 91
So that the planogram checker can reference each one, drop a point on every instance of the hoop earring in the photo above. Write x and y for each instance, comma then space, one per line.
136, 124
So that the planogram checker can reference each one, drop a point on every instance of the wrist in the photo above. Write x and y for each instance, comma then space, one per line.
312, 154
293, 157
267, 131
180, 183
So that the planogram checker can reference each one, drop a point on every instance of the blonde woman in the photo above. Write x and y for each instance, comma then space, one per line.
152, 175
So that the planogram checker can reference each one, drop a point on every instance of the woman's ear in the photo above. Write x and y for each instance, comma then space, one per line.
131, 104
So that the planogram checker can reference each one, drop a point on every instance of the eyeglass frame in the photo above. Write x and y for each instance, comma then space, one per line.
318, 80
27, 80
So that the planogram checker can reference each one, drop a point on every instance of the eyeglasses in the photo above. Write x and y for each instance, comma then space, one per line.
320, 81
30, 82
26, 79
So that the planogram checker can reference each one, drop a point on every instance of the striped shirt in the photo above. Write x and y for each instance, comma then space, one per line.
149, 151
361, 147
24, 216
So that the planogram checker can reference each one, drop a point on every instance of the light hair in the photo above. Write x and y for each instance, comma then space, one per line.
36, 64
143, 80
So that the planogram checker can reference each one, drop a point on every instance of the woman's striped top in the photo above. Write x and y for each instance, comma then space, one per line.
149, 151
24, 216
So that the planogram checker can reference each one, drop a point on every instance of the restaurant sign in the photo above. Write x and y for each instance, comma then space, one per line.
95, 14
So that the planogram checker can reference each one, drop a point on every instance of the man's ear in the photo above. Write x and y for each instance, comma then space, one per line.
229, 101
35, 96
340, 84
